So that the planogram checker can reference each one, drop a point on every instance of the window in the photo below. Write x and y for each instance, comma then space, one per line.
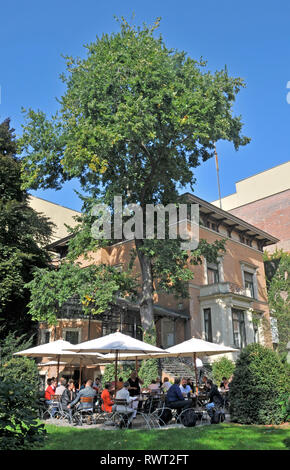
72, 336
207, 324
168, 332
239, 329
212, 275
126, 321
45, 336
249, 283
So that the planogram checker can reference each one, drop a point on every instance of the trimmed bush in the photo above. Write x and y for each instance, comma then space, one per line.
259, 391
222, 367
19, 427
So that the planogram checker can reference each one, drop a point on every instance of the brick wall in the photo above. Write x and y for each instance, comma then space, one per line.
271, 214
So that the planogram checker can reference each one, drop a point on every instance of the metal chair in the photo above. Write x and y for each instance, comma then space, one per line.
84, 414
54, 408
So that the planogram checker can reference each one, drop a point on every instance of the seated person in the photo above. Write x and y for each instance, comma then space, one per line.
97, 385
87, 391
166, 384
68, 396
50, 390
61, 387
124, 394
224, 384
215, 398
185, 389
175, 399
106, 397
153, 386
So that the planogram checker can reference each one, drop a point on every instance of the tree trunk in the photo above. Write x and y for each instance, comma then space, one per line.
146, 303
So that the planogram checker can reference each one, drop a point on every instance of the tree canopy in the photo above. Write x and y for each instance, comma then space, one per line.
135, 120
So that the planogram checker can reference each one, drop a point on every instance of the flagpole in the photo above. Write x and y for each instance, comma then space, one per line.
218, 178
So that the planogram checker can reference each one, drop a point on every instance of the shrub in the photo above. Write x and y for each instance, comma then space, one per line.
259, 390
21, 370
149, 367
19, 428
124, 371
148, 371
222, 367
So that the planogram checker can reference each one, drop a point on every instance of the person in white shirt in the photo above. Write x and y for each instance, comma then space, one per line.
124, 394
61, 387
185, 389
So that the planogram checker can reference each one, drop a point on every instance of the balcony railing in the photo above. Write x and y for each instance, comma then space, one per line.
224, 288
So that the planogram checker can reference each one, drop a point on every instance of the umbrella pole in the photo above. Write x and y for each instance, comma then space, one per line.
80, 377
136, 364
116, 371
57, 373
195, 371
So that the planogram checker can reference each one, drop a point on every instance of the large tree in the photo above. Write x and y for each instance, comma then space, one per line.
135, 120
23, 234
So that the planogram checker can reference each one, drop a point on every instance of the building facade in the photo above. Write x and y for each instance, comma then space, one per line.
227, 302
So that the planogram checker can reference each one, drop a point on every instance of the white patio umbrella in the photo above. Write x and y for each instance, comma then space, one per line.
59, 349
116, 343
195, 346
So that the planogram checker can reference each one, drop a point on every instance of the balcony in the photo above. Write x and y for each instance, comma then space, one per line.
224, 288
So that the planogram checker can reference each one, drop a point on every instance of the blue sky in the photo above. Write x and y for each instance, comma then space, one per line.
250, 37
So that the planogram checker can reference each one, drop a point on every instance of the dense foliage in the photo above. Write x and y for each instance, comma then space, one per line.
149, 367
277, 268
94, 286
222, 367
259, 392
123, 371
23, 233
19, 426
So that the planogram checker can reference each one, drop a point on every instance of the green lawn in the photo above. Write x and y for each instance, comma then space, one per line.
215, 437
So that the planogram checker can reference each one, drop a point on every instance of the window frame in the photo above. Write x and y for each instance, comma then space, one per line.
207, 325
242, 337
72, 330
251, 283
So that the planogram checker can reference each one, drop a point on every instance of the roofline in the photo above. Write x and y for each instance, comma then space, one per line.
264, 171
232, 217
248, 177
211, 207
50, 202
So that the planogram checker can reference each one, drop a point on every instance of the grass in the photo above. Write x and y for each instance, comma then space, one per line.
215, 437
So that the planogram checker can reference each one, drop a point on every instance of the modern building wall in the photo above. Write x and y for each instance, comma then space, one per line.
58, 214
271, 214
264, 201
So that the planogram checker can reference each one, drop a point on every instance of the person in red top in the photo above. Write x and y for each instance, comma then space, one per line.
50, 390
106, 397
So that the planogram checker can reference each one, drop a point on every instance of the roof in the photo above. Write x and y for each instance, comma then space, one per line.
216, 213
230, 219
